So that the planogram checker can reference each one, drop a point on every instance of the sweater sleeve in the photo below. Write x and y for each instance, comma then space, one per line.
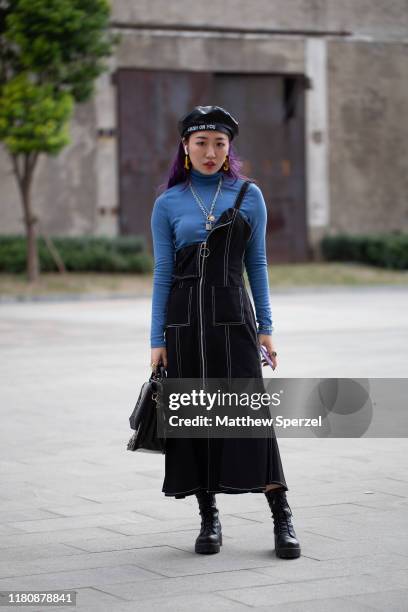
255, 260
163, 251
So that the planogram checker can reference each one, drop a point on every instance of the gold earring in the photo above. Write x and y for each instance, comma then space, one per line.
186, 162
226, 164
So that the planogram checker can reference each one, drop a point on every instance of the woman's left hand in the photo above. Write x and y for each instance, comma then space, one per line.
266, 341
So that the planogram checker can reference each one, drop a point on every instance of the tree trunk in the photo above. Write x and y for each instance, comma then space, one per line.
24, 178
33, 267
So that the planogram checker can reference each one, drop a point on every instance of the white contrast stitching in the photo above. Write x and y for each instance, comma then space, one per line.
241, 305
178, 352
188, 491
188, 311
227, 331
252, 488
226, 251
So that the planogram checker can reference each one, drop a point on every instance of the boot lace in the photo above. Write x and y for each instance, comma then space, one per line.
282, 514
283, 523
209, 521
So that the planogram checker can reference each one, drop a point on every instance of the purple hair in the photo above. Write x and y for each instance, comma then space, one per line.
178, 174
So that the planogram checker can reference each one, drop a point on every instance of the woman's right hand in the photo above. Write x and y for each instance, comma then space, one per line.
159, 355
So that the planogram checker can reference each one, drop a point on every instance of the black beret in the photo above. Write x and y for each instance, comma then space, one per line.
208, 118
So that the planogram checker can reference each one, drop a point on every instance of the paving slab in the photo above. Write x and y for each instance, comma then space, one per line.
309, 589
389, 600
78, 511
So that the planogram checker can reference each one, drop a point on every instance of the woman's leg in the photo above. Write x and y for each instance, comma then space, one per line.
269, 487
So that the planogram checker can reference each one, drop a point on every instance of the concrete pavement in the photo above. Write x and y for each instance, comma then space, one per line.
80, 512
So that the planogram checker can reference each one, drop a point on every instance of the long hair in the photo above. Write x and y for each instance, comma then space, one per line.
178, 174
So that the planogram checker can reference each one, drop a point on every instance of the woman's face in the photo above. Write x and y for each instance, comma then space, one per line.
207, 150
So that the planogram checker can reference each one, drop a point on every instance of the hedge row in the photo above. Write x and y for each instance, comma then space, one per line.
386, 250
128, 253
80, 254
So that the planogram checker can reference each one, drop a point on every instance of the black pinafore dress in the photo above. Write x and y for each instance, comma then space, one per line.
211, 332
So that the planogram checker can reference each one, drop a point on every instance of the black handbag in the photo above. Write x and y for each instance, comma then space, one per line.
145, 415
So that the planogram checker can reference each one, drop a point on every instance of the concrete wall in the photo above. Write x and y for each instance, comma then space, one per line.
64, 188
213, 52
355, 53
368, 17
368, 97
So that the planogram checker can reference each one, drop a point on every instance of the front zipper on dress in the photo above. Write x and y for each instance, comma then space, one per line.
200, 305
204, 248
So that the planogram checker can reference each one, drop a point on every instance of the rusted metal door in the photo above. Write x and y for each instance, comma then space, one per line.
270, 110
149, 106
271, 143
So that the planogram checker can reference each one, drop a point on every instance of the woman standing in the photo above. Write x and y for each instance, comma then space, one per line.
206, 225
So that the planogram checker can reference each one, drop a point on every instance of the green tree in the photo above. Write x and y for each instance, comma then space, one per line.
51, 52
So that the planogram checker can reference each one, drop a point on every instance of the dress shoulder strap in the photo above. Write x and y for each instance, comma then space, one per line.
241, 193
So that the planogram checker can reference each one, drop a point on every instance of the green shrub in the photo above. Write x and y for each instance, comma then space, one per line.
386, 250
80, 254
12, 254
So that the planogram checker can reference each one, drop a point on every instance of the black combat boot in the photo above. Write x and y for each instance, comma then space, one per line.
286, 544
210, 537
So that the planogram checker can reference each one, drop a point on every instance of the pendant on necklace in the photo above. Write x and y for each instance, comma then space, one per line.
208, 224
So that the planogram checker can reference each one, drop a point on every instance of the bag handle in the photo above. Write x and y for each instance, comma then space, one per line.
159, 373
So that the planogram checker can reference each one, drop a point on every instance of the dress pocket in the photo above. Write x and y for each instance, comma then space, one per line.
178, 312
227, 305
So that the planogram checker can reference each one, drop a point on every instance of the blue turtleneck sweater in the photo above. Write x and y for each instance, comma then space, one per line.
177, 220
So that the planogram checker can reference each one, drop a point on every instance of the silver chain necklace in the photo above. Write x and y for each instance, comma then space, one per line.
209, 217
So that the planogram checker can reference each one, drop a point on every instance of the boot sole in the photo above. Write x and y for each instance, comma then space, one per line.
208, 548
288, 553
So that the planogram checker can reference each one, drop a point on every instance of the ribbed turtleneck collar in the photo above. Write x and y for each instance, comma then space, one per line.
204, 179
